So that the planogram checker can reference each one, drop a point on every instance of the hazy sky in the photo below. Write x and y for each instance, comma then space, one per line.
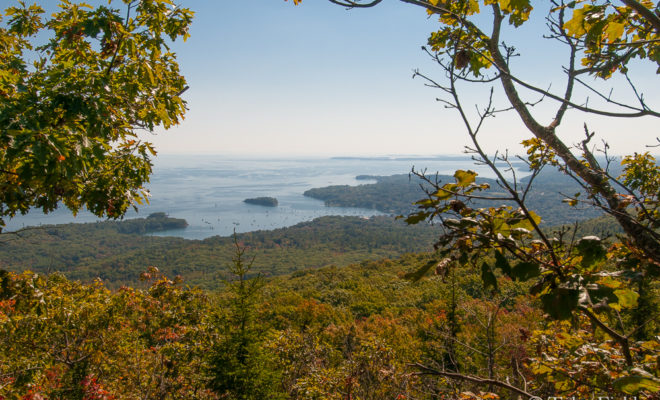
267, 78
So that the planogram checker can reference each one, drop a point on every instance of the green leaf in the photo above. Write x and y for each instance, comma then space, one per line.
421, 271
614, 30
575, 26
502, 263
416, 218
40, 152
487, 276
634, 384
424, 202
600, 292
591, 249
595, 32
468, 222
540, 369
560, 303
609, 282
524, 271
534, 217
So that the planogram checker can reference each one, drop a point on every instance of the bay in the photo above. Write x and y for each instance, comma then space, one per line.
208, 190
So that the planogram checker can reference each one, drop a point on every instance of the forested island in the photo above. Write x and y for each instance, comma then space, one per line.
155, 222
262, 201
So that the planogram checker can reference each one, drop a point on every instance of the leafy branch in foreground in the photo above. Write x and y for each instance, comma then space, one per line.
72, 107
569, 275
583, 279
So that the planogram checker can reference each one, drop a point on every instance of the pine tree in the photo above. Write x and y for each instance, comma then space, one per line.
239, 365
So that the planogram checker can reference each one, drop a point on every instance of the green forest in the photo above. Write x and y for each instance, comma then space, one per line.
397, 194
358, 330
542, 287
107, 250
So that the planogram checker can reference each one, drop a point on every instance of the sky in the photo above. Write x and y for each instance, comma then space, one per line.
268, 78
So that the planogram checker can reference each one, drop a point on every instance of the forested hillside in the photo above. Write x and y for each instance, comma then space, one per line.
108, 251
324, 333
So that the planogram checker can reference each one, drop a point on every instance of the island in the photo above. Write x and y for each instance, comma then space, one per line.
262, 201
155, 222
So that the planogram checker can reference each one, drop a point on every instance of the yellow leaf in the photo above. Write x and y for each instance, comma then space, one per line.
614, 31
627, 298
464, 178
443, 194
575, 26
609, 282
473, 6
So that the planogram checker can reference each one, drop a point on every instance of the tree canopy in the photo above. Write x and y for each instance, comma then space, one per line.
77, 88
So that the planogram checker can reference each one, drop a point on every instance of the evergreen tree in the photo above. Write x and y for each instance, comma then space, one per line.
239, 365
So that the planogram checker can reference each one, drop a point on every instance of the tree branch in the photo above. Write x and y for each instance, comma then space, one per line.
622, 340
571, 69
481, 381
644, 12
353, 4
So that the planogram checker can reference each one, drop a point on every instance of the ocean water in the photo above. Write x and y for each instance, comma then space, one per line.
208, 191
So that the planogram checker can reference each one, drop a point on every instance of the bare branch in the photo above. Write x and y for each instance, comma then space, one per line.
354, 4
608, 98
424, 370
654, 145
571, 69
